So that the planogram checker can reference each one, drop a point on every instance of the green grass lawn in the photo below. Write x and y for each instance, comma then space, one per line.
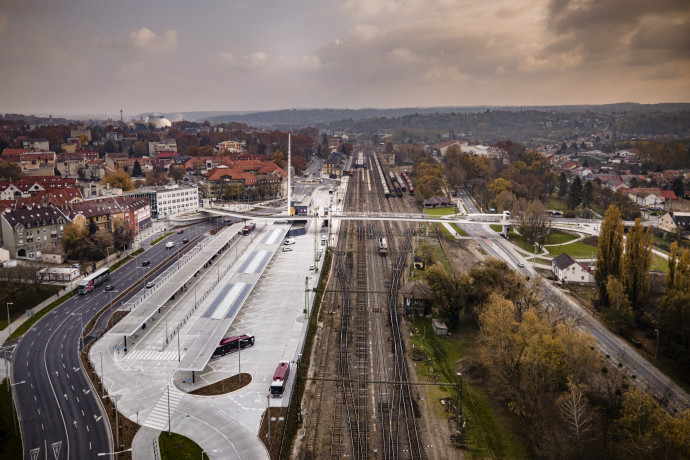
28, 297
488, 428
10, 445
441, 211
161, 238
178, 447
560, 237
576, 250
460, 231
496, 228
555, 204
659, 264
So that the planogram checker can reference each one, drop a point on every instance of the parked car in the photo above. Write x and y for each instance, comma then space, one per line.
75, 266
312, 267
110, 287
287, 249
150, 284
146, 263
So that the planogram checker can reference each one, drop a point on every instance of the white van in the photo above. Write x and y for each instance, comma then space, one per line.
289, 241
169, 244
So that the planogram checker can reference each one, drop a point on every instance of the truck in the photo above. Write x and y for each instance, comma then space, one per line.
248, 228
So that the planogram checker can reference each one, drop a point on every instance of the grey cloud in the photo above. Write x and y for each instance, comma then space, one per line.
567, 15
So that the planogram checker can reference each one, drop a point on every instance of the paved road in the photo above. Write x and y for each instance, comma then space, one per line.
60, 414
620, 352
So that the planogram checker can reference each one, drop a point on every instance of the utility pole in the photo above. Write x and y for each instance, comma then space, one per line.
460, 420
656, 352
289, 183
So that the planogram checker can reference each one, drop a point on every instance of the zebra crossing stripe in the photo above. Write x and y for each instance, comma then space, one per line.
158, 418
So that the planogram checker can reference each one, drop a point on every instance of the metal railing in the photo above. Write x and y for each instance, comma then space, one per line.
199, 301
171, 271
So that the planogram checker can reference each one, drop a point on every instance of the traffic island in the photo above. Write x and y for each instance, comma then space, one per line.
224, 386
273, 439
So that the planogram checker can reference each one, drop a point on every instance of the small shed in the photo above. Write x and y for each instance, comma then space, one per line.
416, 298
439, 327
52, 254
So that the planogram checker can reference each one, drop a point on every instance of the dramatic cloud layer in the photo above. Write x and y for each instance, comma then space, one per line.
243, 55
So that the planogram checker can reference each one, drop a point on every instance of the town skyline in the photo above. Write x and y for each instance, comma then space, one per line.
85, 58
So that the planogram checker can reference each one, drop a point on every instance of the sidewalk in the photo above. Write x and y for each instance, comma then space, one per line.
145, 444
5, 333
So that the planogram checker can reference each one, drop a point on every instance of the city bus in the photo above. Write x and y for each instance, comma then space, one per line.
232, 344
280, 377
94, 280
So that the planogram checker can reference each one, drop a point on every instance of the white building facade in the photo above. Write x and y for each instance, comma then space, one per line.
169, 200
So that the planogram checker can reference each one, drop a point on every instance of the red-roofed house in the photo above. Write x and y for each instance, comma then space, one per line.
13, 155
38, 163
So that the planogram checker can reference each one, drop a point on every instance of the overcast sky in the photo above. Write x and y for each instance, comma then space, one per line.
96, 56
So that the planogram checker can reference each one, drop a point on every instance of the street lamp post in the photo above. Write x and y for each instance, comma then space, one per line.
8, 316
101, 454
107, 252
656, 352
102, 376
117, 426
460, 399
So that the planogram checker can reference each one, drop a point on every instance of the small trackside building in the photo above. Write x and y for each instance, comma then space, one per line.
569, 270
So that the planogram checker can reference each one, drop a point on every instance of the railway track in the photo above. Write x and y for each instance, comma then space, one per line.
364, 420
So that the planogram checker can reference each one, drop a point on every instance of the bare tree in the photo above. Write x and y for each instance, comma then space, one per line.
577, 414
534, 223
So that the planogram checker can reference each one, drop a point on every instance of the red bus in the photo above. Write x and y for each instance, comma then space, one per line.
232, 344
280, 377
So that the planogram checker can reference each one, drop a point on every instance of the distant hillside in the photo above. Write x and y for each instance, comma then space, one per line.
292, 118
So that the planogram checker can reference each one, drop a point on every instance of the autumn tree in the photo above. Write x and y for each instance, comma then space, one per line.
645, 430
118, 179
619, 314
637, 260
177, 173
139, 149
506, 201
299, 164
673, 309
156, 178
279, 159
447, 293
73, 239
608, 261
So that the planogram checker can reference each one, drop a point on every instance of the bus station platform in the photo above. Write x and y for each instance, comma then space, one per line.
148, 302
222, 307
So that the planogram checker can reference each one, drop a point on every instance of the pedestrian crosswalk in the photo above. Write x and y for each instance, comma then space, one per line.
151, 355
158, 418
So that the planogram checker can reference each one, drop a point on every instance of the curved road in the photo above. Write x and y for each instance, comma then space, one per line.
60, 414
